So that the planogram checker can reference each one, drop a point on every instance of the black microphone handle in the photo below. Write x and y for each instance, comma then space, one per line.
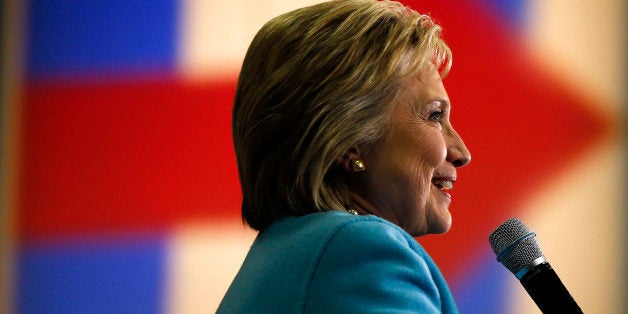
547, 291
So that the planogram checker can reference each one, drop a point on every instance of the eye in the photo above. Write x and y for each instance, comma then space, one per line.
436, 116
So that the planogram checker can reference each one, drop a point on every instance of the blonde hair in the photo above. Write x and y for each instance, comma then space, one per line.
315, 82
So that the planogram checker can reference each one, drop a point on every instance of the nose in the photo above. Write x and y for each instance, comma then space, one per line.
457, 152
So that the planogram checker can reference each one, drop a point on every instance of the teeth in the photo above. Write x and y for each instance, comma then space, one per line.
444, 184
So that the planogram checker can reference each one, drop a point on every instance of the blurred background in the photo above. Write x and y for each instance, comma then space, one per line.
119, 190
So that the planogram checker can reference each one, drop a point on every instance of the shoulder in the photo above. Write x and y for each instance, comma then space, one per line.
325, 234
319, 228
328, 231
347, 233
334, 262
337, 223
372, 231
368, 258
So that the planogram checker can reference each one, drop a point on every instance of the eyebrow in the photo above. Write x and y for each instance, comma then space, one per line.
442, 102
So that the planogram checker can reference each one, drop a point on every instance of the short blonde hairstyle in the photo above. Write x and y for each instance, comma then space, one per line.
315, 82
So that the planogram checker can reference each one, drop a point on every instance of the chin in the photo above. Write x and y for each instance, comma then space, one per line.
440, 226
430, 224
441, 229
431, 229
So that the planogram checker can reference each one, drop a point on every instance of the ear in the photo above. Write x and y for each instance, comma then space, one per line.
345, 160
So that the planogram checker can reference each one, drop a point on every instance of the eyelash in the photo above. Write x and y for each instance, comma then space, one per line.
436, 116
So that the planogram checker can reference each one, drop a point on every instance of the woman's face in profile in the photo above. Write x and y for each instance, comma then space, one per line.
411, 171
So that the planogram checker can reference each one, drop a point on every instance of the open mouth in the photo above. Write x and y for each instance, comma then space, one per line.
443, 184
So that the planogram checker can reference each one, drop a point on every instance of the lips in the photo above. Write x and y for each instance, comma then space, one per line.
443, 185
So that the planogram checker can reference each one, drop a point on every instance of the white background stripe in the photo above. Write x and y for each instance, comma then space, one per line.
215, 34
203, 260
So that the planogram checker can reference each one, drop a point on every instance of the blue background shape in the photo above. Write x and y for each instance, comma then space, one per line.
78, 37
95, 276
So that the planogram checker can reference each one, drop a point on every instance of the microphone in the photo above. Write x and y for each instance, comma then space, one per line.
517, 249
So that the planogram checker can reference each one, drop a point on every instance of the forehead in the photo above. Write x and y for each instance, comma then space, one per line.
425, 86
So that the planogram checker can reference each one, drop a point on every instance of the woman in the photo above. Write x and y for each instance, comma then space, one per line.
345, 152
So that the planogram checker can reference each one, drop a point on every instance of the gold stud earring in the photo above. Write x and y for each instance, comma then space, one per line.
358, 165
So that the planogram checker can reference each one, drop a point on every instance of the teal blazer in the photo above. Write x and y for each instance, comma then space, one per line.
335, 262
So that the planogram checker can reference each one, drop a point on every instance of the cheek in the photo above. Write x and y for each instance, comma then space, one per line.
421, 182
434, 150
425, 171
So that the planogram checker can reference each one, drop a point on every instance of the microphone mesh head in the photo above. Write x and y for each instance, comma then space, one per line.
514, 244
